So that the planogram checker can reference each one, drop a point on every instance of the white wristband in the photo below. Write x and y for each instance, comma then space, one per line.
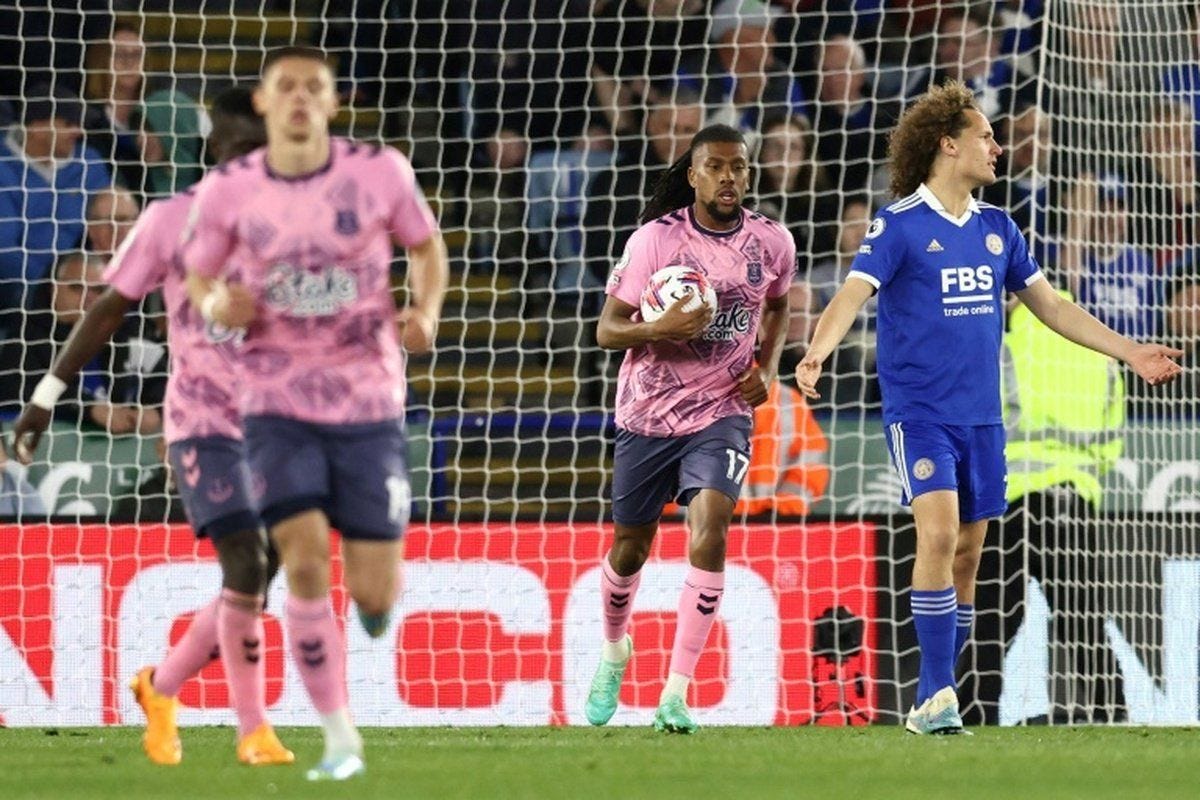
207, 305
47, 392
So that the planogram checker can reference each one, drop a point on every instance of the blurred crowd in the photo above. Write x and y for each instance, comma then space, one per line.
554, 120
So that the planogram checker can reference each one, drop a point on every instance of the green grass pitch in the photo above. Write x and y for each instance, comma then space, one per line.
878, 762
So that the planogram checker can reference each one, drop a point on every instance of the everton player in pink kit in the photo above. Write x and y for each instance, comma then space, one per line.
941, 262
685, 396
294, 243
203, 433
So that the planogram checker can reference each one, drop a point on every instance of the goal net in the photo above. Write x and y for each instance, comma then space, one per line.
537, 130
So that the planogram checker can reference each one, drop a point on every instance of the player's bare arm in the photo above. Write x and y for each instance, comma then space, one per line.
831, 328
428, 271
1153, 362
754, 383
228, 304
617, 330
86, 340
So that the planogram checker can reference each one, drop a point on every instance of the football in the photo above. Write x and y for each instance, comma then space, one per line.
670, 284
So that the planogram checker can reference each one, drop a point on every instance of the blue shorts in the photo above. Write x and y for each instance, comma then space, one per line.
650, 470
967, 459
356, 473
214, 484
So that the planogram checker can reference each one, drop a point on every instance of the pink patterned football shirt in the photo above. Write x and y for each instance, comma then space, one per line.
677, 388
316, 252
201, 390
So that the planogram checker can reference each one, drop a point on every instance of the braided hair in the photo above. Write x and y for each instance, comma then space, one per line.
673, 190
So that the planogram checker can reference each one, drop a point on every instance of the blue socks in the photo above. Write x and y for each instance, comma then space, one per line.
962, 632
935, 615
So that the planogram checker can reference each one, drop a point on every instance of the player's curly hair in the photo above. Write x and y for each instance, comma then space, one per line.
673, 190
915, 140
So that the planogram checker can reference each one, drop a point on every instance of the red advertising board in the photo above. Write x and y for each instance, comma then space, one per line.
499, 624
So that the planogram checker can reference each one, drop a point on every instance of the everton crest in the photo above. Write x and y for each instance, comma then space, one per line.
347, 222
754, 272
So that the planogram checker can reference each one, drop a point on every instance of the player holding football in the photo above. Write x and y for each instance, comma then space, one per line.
294, 243
203, 434
941, 262
685, 396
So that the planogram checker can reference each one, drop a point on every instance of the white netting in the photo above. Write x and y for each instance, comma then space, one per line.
536, 129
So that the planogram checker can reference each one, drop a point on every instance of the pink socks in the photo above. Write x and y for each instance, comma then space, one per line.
240, 632
315, 642
617, 593
698, 605
189, 655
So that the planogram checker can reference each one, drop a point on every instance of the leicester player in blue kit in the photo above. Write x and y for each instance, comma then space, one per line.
941, 262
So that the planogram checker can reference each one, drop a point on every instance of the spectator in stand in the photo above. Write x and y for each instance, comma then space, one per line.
1028, 187
968, 49
46, 175
852, 368
525, 100
558, 186
1163, 211
357, 34
1164, 204
619, 195
1020, 22
792, 188
743, 82
1117, 282
529, 90
96, 395
111, 214
789, 457
45, 40
1181, 81
793, 26
640, 44
154, 139
848, 118
1183, 328
1087, 94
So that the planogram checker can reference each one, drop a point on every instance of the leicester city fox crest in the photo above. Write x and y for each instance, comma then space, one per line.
347, 222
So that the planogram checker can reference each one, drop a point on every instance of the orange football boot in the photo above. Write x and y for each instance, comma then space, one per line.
161, 739
261, 747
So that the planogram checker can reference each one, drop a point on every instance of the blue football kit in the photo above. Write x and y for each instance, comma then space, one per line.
940, 323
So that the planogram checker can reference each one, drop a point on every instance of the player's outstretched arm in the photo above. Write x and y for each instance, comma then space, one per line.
228, 304
831, 328
428, 274
87, 338
1153, 362
616, 329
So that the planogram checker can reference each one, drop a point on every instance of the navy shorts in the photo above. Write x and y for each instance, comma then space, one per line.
214, 484
650, 470
356, 473
967, 459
